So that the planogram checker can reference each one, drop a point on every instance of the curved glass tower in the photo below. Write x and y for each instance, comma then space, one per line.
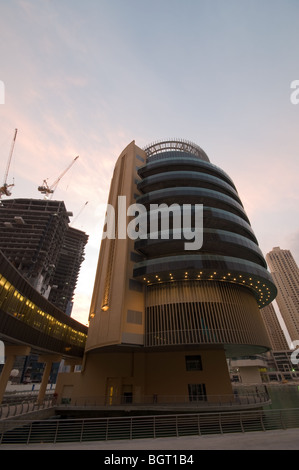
210, 296
166, 312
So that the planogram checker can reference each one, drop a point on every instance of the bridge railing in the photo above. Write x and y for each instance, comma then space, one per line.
22, 406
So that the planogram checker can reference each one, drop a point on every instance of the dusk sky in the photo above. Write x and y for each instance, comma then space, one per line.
88, 77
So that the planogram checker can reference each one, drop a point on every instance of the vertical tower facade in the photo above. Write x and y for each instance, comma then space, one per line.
168, 309
285, 273
275, 332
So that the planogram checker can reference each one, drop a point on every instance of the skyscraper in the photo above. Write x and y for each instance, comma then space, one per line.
285, 273
71, 256
36, 238
275, 332
168, 307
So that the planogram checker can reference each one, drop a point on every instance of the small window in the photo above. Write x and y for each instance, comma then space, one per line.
140, 158
136, 257
193, 363
135, 285
197, 392
133, 316
128, 397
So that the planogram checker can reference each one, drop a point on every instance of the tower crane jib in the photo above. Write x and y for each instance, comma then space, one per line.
46, 189
4, 188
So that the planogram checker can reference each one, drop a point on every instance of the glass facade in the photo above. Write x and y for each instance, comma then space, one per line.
28, 317
14, 303
229, 258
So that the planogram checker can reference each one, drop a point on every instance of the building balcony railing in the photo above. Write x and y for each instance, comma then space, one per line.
251, 361
165, 401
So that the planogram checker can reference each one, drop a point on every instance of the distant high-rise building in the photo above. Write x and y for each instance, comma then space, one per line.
36, 238
275, 332
71, 256
165, 315
285, 273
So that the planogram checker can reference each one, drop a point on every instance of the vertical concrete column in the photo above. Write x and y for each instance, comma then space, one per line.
48, 360
5, 374
11, 352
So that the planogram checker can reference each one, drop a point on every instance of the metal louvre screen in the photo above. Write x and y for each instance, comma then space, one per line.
202, 313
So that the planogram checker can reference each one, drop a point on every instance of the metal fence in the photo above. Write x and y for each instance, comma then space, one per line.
228, 400
142, 427
21, 406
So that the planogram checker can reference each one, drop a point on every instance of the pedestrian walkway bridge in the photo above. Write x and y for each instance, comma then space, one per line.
28, 318
30, 324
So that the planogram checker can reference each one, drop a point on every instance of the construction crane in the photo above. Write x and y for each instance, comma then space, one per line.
78, 213
46, 189
4, 191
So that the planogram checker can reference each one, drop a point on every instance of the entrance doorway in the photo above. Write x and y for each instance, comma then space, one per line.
127, 394
112, 391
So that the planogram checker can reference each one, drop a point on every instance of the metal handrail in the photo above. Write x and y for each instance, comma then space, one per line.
143, 427
21, 405
18, 408
225, 400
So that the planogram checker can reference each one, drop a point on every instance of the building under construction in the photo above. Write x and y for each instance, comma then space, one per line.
36, 238
71, 255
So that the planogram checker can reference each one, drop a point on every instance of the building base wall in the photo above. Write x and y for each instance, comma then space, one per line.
147, 377
250, 375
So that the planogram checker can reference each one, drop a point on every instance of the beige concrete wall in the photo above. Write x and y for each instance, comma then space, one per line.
167, 374
145, 374
115, 267
250, 375
93, 381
